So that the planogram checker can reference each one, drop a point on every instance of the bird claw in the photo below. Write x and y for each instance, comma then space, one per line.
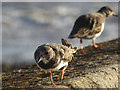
53, 84
82, 51
96, 47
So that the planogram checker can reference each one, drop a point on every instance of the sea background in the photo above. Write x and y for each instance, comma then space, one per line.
26, 25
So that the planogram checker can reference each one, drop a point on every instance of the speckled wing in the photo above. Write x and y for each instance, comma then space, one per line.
67, 52
59, 53
63, 52
68, 55
85, 24
96, 30
99, 21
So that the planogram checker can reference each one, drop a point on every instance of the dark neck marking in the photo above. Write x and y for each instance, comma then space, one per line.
48, 65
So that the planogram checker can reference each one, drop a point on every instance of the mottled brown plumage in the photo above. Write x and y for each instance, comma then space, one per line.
87, 25
52, 57
90, 26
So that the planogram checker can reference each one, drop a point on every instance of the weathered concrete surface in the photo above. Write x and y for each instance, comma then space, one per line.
96, 68
104, 77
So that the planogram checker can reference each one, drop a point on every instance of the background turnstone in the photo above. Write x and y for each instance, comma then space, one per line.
90, 26
52, 57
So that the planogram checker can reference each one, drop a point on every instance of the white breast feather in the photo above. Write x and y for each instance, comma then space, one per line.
97, 35
62, 64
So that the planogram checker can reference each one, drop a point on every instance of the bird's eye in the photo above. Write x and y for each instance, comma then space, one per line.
46, 53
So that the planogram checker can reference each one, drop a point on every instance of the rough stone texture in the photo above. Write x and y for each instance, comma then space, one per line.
96, 68
105, 77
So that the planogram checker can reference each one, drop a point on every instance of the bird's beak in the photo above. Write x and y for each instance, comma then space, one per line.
39, 60
115, 15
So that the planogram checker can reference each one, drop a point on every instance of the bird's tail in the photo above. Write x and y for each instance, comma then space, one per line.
65, 42
71, 37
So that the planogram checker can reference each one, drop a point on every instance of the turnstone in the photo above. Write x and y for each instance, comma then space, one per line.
52, 57
90, 26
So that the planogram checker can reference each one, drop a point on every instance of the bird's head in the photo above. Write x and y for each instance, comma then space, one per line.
44, 53
47, 52
107, 11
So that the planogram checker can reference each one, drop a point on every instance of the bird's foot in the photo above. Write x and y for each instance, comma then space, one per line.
53, 84
81, 51
96, 46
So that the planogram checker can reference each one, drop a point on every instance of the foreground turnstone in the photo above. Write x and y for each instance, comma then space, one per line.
90, 26
52, 57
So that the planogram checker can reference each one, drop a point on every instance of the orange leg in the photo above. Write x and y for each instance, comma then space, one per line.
62, 72
82, 51
95, 44
51, 78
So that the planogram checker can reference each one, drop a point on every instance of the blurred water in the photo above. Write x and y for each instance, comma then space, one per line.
29, 24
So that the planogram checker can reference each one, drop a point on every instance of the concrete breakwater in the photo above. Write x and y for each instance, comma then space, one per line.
96, 68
